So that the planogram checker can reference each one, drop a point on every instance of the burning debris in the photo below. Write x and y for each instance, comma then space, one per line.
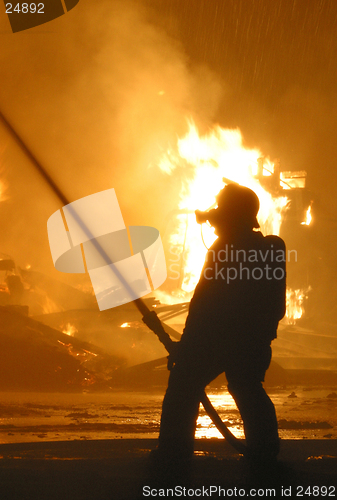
54, 296
308, 216
40, 358
26, 289
295, 309
70, 329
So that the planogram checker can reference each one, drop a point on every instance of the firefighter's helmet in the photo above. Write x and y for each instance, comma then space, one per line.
238, 203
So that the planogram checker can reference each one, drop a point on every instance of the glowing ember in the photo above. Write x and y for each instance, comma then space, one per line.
308, 217
206, 161
70, 330
91, 353
125, 325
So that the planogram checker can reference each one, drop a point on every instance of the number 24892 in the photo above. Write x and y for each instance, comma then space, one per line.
25, 8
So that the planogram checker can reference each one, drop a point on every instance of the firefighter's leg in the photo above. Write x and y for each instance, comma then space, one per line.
256, 408
171, 463
259, 418
188, 379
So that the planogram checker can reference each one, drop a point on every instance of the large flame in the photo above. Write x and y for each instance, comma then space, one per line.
206, 161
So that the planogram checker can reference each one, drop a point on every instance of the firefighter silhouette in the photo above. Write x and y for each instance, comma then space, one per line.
232, 321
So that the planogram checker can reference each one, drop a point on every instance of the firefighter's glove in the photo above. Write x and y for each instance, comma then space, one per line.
173, 356
152, 321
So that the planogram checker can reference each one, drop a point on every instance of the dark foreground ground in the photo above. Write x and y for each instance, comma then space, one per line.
118, 469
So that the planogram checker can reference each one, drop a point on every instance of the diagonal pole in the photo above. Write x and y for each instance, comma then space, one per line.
141, 306
149, 317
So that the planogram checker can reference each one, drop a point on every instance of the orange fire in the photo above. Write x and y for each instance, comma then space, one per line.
308, 216
295, 299
207, 160
204, 162
69, 329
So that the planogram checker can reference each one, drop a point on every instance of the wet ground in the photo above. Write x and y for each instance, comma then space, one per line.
303, 413
96, 446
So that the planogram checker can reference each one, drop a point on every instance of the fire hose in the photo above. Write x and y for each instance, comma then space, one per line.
153, 322
150, 318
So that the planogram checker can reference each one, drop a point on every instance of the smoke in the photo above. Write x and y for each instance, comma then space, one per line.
98, 95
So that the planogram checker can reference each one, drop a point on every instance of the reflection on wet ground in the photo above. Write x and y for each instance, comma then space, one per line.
303, 413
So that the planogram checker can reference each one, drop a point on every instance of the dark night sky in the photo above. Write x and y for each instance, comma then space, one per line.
83, 92
277, 64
